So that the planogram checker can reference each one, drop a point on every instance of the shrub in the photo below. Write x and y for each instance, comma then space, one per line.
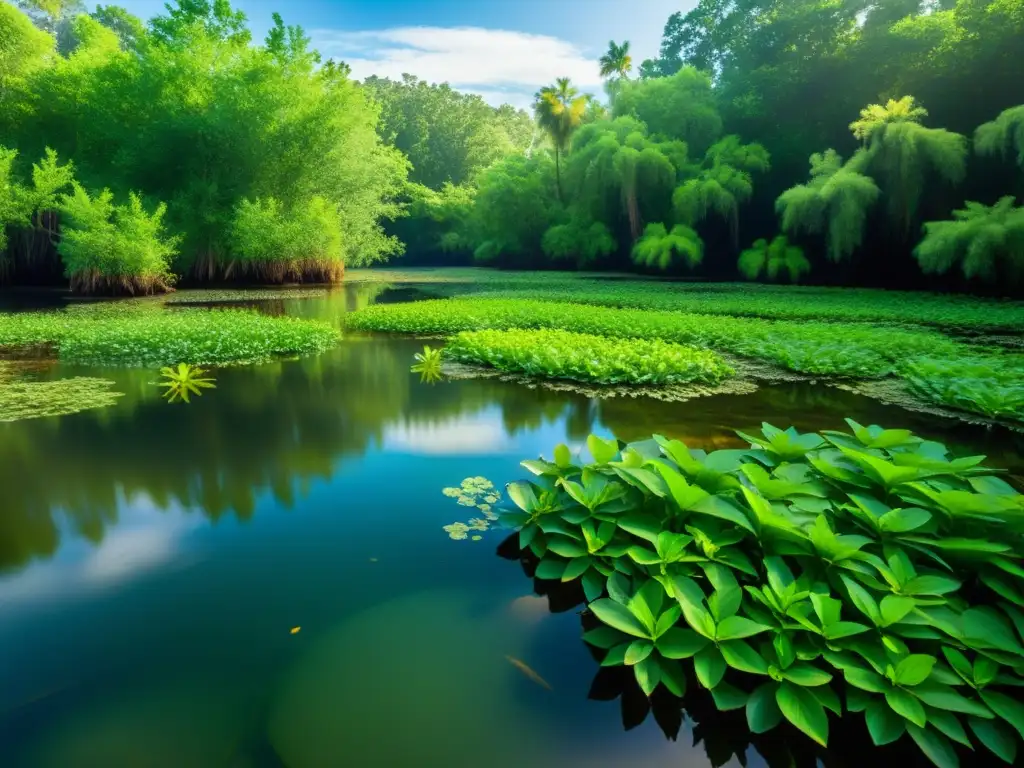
592, 359
109, 248
772, 259
870, 556
275, 244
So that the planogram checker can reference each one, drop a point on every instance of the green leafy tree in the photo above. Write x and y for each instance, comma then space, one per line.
835, 202
772, 259
1003, 135
559, 110
681, 106
660, 248
24, 50
903, 154
986, 241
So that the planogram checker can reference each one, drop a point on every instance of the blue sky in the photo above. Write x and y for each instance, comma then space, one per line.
501, 49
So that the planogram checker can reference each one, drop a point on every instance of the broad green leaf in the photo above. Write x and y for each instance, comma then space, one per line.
895, 609
643, 555
947, 724
673, 677
681, 492
638, 651
550, 568
935, 746
723, 509
739, 655
522, 495
738, 627
709, 666
959, 663
566, 547
803, 711
931, 585
563, 457
985, 670
945, 697
1011, 710
644, 479
576, 568
648, 674
616, 656
618, 616
884, 725
728, 697
668, 619
903, 520
843, 629
865, 680
763, 711
647, 527
603, 637
679, 643
985, 628
914, 669
806, 675
863, 600
618, 588
998, 738
828, 698
784, 650
906, 705
602, 450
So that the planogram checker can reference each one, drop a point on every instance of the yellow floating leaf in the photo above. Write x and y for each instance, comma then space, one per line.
295, 630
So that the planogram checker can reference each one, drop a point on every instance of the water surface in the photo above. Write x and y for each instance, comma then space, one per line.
155, 558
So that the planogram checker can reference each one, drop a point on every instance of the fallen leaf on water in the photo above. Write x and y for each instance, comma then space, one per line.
522, 667
477, 538
295, 630
373, 559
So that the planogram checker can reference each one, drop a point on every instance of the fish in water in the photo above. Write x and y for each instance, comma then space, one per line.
522, 667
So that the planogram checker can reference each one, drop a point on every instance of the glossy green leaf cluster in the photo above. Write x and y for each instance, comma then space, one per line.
992, 386
591, 359
863, 573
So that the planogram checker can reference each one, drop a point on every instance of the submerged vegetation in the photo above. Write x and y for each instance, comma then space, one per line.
556, 354
862, 572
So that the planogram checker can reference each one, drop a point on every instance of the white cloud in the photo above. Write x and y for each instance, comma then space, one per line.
500, 65
473, 434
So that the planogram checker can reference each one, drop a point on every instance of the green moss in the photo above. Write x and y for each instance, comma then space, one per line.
143, 334
35, 399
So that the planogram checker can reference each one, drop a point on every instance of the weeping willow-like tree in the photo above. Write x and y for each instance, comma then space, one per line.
560, 109
660, 248
579, 238
773, 259
723, 183
617, 172
1003, 135
986, 241
835, 202
902, 153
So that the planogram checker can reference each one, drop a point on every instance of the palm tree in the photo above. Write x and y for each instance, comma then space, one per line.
559, 109
902, 152
616, 62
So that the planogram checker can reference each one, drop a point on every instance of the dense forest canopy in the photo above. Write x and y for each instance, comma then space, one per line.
884, 140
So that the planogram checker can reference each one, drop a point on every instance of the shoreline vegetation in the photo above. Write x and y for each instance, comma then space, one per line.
835, 335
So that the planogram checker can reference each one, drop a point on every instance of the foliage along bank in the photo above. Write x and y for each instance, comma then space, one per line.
183, 147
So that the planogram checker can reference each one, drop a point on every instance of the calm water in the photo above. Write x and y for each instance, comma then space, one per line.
154, 559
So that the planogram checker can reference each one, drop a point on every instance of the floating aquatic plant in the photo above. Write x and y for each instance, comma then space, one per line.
36, 399
478, 492
870, 556
428, 364
184, 381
